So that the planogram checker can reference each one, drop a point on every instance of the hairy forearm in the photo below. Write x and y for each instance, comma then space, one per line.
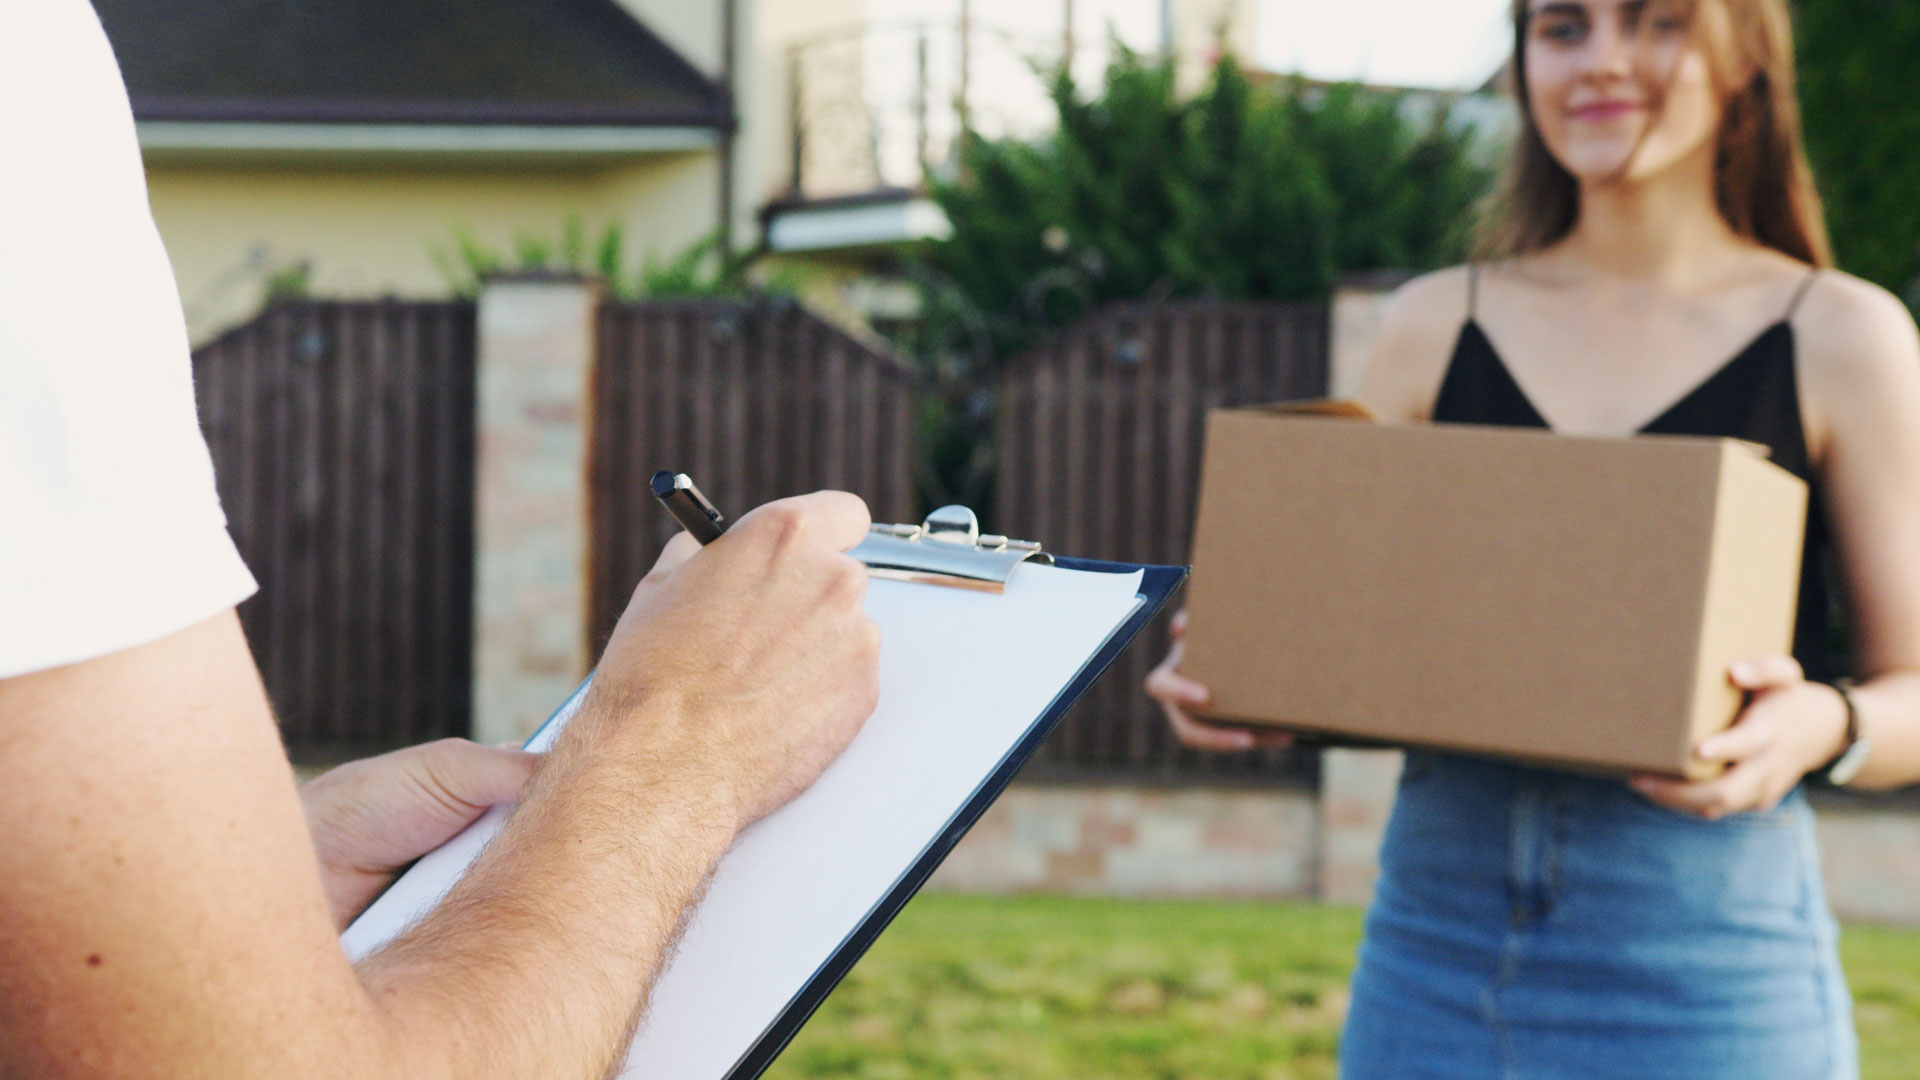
1889, 705
538, 962
162, 909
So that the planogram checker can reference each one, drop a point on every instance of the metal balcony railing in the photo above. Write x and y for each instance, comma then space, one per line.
881, 107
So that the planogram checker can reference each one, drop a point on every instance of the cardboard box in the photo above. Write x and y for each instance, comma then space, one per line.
1561, 600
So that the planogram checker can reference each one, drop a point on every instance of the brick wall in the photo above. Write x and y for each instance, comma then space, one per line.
1870, 857
1123, 841
1279, 844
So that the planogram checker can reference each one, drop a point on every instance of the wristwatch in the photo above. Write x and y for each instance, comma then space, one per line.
1853, 757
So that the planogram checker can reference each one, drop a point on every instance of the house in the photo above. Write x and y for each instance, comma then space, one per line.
351, 140
341, 147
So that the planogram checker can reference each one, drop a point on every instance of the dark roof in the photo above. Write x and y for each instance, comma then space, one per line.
404, 61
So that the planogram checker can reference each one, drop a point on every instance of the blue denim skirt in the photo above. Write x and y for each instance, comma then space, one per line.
1536, 925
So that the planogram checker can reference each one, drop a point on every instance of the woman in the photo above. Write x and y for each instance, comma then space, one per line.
1659, 219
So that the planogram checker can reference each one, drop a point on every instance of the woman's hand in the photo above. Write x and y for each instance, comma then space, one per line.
370, 818
1789, 728
1176, 693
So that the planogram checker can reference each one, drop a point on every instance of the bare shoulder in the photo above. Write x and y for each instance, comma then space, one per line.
1414, 341
1859, 354
1433, 301
1849, 330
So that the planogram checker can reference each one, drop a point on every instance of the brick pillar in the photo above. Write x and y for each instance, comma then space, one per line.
536, 357
1356, 786
1358, 304
1356, 795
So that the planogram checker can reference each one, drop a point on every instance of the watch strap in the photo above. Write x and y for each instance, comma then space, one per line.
1853, 753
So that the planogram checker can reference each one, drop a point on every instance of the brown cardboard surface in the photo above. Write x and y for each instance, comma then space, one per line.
1492, 590
1748, 601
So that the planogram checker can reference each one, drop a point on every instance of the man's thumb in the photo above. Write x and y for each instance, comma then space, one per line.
479, 776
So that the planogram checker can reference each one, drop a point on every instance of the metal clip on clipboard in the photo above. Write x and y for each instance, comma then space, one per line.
946, 549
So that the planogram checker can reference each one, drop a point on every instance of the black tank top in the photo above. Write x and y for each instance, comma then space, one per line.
1754, 396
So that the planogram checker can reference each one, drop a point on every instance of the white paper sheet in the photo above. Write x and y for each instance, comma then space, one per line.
963, 675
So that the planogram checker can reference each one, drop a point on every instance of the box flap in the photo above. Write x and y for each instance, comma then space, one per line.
1335, 407
1349, 409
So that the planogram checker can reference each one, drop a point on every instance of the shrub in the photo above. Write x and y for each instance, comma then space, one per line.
1248, 190
1861, 93
698, 270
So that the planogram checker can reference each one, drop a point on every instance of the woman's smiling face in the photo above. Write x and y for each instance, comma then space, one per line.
1623, 90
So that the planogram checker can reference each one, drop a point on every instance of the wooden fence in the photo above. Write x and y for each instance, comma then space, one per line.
343, 440
757, 400
1099, 440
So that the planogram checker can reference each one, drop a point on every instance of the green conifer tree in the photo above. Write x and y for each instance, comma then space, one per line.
1248, 190
1860, 92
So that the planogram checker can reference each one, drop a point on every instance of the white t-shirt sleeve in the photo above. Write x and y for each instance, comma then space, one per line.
111, 533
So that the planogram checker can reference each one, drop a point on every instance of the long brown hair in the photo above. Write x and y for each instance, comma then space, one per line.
1761, 177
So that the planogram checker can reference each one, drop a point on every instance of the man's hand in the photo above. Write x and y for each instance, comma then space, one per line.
370, 818
161, 906
738, 672
752, 659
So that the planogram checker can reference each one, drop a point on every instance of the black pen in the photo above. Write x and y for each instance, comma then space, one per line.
688, 507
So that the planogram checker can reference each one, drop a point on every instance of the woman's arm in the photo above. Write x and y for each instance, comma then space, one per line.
1408, 356
1860, 385
1859, 369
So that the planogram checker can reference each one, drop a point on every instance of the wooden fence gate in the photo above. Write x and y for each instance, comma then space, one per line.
756, 400
1099, 438
343, 439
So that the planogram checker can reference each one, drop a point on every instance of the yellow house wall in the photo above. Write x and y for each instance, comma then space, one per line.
827, 283
371, 231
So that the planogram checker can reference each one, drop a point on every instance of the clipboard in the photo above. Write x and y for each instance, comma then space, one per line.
1156, 587
946, 553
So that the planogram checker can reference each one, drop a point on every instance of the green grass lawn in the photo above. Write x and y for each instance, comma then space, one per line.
1051, 988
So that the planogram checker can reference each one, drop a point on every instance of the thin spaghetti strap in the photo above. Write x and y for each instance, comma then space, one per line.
1473, 291
1800, 294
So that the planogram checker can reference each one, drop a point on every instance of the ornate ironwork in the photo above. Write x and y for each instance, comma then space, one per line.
883, 106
